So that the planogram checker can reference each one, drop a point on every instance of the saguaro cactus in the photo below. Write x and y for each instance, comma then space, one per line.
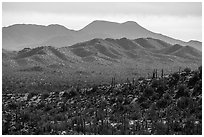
156, 72
113, 81
162, 73
153, 76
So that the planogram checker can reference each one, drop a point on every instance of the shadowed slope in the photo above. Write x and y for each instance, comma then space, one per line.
171, 49
188, 52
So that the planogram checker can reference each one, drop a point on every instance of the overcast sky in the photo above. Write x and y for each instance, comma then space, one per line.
178, 20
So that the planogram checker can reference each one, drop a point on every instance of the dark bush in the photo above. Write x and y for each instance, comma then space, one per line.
145, 104
160, 90
141, 99
162, 103
161, 128
175, 79
12, 105
176, 127
25, 116
155, 96
148, 92
184, 102
32, 94
183, 91
135, 115
70, 93
47, 108
200, 71
187, 70
45, 95
141, 78
197, 89
155, 83
60, 117
194, 79
189, 127
41, 105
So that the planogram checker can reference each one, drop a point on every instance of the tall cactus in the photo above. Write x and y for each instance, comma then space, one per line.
156, 73
153, 76
162, 73
133, 81
113, 81
179, 70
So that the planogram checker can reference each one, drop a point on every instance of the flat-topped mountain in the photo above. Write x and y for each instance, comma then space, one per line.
21, 36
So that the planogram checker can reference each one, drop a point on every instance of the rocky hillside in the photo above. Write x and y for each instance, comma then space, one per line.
170, 104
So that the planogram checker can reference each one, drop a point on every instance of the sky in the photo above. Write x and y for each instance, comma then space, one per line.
180, 20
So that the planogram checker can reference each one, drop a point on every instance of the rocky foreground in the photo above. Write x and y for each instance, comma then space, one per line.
170, 104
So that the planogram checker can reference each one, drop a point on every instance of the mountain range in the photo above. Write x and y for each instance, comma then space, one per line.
101, 59
19, 36
98, 52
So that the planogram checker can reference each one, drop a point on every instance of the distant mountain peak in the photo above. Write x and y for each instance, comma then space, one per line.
102, 21
193, 41
130, 23
56, 26
30, 35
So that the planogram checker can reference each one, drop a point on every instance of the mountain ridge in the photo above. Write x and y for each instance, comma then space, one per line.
111, 48
19, 36
100, 59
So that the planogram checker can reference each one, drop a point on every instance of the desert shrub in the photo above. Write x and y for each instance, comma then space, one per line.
155, 96
197, 89
32, 94
161, 103
12, 105
59, 117
160, 85
45, 95
187, 70
146, 104
70, 93
94, 89
189, 127
200, 71
175, 79
141, 78
148, 92
5, 128
160, 91
141, 99
41, 105
194, 79
176, 127
47, 108
152, 113
167, 96
25, 116
161, 128
135, 115
182, 91
155, 83
184, 102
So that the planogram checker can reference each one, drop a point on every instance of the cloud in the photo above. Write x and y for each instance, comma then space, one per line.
108, 8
